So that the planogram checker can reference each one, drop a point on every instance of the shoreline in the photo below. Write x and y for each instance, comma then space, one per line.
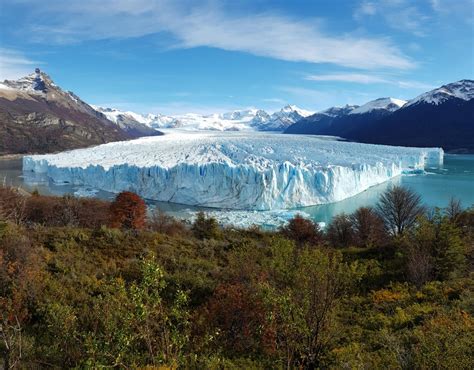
11, 156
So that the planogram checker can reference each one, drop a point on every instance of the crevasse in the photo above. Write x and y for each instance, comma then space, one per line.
257, 171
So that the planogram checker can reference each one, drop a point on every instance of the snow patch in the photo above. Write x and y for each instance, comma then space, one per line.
463, 89
238, 120
389, 104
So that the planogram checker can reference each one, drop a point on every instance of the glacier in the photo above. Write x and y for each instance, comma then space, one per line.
234, 170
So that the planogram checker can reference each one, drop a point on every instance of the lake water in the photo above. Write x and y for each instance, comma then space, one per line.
454, 179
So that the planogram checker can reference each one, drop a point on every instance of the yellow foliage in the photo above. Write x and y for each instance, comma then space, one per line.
388, 296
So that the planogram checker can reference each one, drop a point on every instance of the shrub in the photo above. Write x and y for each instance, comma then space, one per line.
205, 227
302, 231
164, 224
12, 205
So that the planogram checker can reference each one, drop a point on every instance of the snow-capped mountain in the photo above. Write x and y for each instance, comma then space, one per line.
320, 122
337, 111
440, 117
237, 120
463, 90
386, 104
36, 115
443, 117
284, 118
132, 122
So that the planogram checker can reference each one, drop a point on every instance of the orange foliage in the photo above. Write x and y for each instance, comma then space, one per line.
387, 296
128, 211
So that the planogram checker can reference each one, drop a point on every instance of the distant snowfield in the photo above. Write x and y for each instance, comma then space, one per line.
234, 170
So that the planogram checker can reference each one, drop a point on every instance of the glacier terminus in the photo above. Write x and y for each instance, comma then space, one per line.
234, 170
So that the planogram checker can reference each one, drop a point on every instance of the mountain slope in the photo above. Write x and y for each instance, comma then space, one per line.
38, 116
284, 118
319, 123
237, 120
133, 124
441, 117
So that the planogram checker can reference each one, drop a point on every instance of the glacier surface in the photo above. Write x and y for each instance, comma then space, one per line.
234, 170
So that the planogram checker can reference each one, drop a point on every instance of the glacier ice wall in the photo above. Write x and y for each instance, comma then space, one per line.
258, 171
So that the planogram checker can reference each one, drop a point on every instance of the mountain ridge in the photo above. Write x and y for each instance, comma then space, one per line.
37, 116
442, 117
236, 120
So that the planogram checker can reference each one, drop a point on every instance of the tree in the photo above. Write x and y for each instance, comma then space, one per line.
436, 250
449, 250
302, 231
419, 259
454, 209
128, 211
367, 226
339, 231
399, 208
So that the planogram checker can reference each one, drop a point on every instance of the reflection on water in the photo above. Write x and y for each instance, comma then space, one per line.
436, 186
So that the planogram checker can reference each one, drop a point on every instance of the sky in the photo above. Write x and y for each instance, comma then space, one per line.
174, 57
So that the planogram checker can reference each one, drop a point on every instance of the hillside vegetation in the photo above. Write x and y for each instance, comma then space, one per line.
88, 284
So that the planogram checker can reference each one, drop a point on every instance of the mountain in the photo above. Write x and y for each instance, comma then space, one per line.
462, 90
133, 123
346, 120
237, 120
36, 115
384, 105
284, 118
319, 123
441, 117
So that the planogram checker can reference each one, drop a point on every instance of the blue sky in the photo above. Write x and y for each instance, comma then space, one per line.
212, 56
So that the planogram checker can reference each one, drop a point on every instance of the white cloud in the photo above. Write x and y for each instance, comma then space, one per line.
369, 79
415, 85
398, 14
365, 8
14, 64
274, 100
262, 34
347, 77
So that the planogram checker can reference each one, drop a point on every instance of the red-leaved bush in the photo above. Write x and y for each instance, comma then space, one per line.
128, 211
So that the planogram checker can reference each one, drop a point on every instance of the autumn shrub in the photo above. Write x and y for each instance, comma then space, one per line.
128, 211
235, 318
66, 211
302, 231
165, 224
